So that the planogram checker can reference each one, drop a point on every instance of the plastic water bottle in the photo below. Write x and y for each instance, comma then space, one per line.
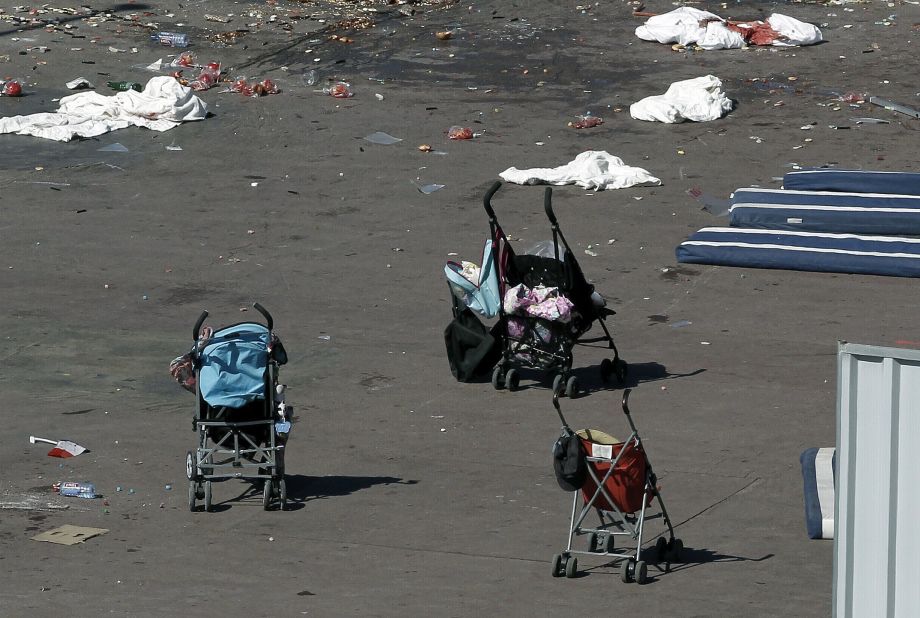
170, 39
79, 490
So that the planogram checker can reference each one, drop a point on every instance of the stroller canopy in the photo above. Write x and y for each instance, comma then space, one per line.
481, 296
233, 365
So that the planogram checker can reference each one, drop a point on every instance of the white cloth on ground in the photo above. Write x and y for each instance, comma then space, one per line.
592, 169
689, 26
699, 99
163, 105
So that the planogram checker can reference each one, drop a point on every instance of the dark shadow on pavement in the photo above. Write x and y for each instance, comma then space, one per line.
301, 488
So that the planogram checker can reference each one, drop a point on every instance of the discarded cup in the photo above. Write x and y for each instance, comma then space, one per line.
429, 189
339, 90
310, 77
457, 132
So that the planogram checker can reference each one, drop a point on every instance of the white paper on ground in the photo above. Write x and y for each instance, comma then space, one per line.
163, 105
796, 32
699, 99
593, 169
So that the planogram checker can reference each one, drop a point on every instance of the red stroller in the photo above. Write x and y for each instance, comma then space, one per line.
615, 479
539, 335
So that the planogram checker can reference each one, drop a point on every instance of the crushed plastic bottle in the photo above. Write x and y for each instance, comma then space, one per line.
78, 490
310, 78
457, 132
11, 88
339, 90
170, 39
853, 97
254, 89
208, 77
125, 86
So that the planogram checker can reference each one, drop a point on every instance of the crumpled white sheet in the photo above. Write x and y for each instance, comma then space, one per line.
592, 169
699, 99
163, 105
689, 26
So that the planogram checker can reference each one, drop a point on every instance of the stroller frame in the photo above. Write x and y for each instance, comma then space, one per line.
228, 448
613, 522
565, 273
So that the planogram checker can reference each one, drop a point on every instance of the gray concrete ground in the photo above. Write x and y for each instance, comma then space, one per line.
412, 494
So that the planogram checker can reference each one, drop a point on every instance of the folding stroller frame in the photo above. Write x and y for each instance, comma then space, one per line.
608, 479
530, 349
245, 443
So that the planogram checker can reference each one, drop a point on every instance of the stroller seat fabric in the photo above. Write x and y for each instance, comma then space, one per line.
626, 486
233, 364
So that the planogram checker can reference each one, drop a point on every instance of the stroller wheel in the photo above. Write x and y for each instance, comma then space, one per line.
191, 467
606, 369
191, 496
626, 570
557, 565
267, 494
571, 387
640, 572
592, 542
512, 380
497, 379
661, 549
620, 369
207, 496
282, 494
608, 546
571, 567
557, 384
675, 549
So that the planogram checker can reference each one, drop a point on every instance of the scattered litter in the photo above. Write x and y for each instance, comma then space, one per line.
384, 139
681, 323
11, 88
853, 97
869, 121
324, 337
174, 146
170, 39
255, 89
429, 189
591, 169
457, 132
717, 206
425, 147
895, 107
700, 99
590, 252
378, 96
79, 84
339, 90
77, 490
62, 448
218, 18
444, 35
116, 147
705, 343
310, 77
125, 86
586, 122
69, 535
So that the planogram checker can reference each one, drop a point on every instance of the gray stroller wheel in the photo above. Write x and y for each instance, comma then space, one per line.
497, 378
207, 496
571, 387
512, 380
282, 494
557, 565
191, 496
267, 494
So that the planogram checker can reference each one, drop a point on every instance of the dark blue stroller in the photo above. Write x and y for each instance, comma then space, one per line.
241, 419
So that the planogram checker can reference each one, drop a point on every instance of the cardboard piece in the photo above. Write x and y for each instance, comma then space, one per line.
69, 535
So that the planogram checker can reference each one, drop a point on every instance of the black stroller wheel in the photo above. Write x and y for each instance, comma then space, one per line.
557, 565
282, 494
571, 387
621, 370
606, 369
626, 568
497, 378
675, 550
512, 380
661, 549
571, 567
557, 384
207, 496
267, 494
191, 496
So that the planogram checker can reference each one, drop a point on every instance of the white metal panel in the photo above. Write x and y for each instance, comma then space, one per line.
877, 510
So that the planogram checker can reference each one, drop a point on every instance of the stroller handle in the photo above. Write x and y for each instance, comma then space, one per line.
548, 206
487, 200
268, 317
625, 401
197, 329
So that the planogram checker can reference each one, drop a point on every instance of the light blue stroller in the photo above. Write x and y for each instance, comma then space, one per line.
241, 419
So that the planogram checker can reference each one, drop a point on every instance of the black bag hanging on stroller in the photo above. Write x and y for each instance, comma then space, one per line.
472, 350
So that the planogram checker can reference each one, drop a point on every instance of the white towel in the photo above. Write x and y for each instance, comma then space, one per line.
164, 104
593, 169
700, 99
